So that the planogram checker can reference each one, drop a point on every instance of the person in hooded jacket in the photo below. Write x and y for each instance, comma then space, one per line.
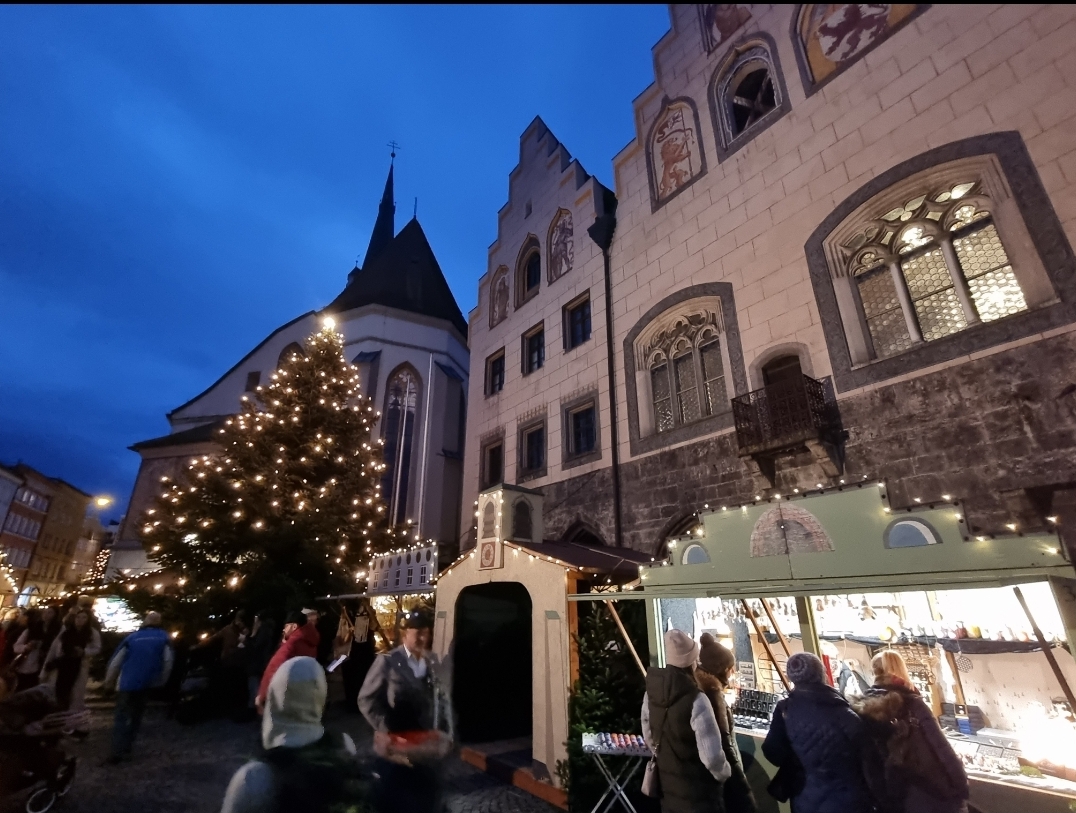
716, 665
300, 640
680, 727
842, 771
301, 767
923, 773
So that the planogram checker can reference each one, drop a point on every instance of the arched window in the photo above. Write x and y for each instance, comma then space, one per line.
401, 408
528, 271
685, 366
522, 524
293, 349
747, 93
931, 257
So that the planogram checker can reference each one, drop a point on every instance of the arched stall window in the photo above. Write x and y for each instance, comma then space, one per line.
401, 408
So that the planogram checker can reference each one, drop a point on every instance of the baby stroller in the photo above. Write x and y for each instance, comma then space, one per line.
33, 762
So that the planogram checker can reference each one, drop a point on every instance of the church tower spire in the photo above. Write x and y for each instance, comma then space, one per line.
385, 226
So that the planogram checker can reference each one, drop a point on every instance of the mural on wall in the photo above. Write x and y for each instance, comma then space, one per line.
675, 154
833, 35
787, 529
498, 297
720, 21
489, 545
561, 247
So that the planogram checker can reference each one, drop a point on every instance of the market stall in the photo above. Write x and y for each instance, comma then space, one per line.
986, 624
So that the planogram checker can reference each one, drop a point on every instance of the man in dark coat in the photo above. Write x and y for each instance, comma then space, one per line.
680, 727
815, 725
403, 701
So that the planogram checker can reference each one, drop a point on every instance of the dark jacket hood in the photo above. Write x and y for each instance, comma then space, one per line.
665, 686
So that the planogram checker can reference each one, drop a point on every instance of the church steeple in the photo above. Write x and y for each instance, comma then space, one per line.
385, 226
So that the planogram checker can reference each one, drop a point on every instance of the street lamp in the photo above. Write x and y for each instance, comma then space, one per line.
102, 502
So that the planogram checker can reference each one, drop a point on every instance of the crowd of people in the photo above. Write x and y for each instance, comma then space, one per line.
885, 753
52, 645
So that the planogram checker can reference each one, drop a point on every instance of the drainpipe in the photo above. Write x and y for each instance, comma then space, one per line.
601, 232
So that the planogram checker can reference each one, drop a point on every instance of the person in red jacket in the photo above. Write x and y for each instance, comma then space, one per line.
300, 638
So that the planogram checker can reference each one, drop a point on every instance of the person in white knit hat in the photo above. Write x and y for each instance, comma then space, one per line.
680, 727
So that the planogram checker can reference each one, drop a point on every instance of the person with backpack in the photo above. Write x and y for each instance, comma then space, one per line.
827, 760
301, 766
141, 662
923, 772
681, 730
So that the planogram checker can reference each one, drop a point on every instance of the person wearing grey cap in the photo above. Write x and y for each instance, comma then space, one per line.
815, 733
680, 727
405, 704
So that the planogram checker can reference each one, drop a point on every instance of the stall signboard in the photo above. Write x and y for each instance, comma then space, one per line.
410, 571
849, 538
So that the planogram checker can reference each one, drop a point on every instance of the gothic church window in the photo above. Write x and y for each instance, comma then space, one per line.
747, 93
293, 349
936, 255
401, 409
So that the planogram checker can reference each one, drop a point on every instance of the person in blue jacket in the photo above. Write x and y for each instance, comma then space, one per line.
142, 661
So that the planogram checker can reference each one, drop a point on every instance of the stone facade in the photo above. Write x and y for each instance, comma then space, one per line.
986, 413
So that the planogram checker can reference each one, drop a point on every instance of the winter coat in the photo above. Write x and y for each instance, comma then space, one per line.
392, 699
33, 655
143, 660
738, 795
679, 724
889, 708
303, 642
70, 688
842, 766
301, 767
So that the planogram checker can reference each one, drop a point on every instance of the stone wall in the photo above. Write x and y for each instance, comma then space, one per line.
995, 425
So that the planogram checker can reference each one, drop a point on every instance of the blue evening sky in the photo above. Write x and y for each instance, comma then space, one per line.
175, 183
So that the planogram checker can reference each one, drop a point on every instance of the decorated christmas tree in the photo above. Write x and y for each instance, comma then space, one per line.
291, 507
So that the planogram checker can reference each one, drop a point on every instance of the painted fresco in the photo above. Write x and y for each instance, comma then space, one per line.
675, 152
788, 529
834, 35
561, 248
498, 297
720, 21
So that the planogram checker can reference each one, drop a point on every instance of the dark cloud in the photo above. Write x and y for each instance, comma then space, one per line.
176, 182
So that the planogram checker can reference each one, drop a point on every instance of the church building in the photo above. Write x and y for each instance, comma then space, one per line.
404, 331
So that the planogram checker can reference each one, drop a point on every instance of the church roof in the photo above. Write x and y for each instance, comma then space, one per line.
204, 433
385, 225
404, 275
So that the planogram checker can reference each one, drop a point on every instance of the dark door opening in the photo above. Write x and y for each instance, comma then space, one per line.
780, 370
491, 683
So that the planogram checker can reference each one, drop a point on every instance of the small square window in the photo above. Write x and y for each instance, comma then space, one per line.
532, 450
254, 378
495, 373
493, 464
582, 427
533, 349
577, 322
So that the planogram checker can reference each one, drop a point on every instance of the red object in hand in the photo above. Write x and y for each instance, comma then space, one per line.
409, 739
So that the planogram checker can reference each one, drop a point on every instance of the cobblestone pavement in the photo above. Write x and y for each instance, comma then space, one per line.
185, 769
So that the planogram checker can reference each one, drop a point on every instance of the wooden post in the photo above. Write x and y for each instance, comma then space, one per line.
624, 632
766, 645
958, 687
1046, 651
777, 629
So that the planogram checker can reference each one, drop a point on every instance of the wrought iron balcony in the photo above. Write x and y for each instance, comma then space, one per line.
785, 415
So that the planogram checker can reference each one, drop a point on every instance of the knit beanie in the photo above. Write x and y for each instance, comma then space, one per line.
680, 649
715, 658
803, 667
294, 705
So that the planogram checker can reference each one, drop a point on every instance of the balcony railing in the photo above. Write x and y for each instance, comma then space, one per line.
785, 415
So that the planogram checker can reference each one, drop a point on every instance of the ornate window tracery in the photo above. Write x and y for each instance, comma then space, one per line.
401, 409
930, 264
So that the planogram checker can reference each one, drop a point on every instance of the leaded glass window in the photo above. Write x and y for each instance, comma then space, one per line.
713, 376
400, 411
659, 383
931, 267
687, 394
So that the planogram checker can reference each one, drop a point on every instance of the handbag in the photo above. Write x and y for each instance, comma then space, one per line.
651, 784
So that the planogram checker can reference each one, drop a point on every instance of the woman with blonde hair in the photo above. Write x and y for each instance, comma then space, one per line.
923, 773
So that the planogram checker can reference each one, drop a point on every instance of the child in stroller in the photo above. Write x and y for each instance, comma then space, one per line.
33, 762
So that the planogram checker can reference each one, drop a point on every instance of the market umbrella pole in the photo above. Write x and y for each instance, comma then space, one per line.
624, 632
777, 629
765, 645
1046, 651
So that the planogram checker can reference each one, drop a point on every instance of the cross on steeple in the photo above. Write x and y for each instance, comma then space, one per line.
392, 145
